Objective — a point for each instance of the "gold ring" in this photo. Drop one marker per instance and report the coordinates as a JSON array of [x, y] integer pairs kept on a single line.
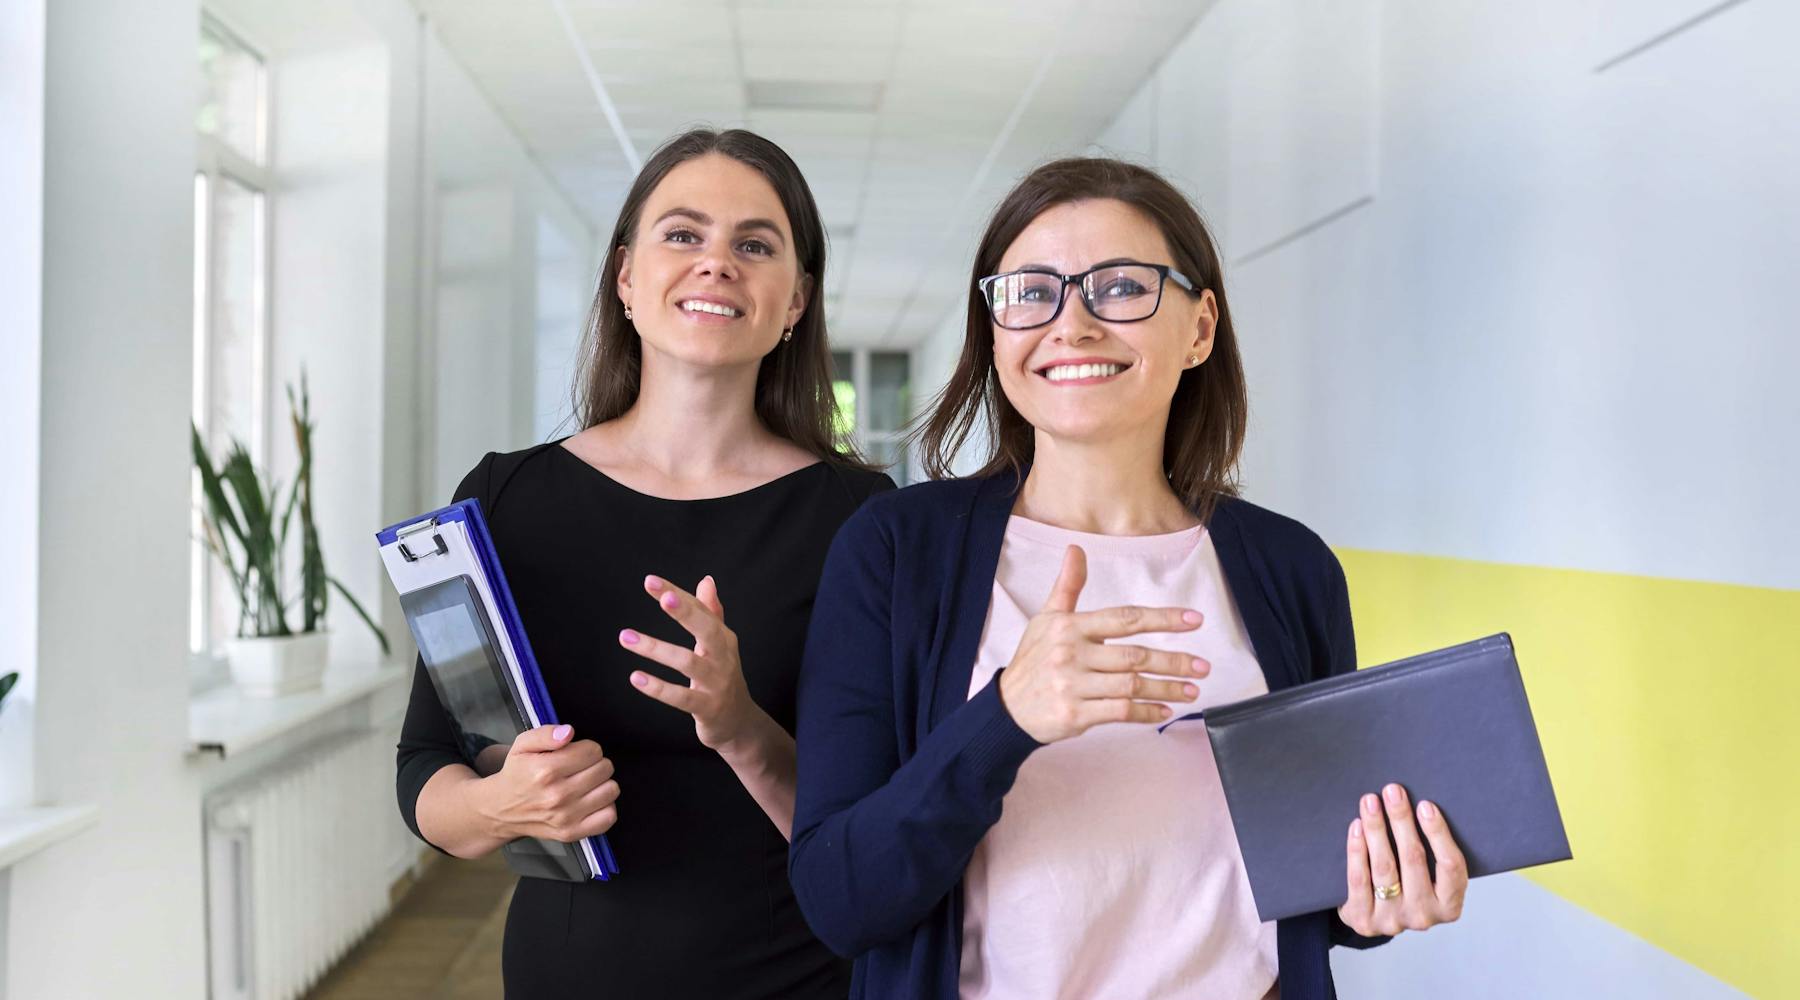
[[1387, 892]]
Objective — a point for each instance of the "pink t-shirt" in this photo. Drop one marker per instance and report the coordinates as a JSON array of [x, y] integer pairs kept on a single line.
[[1113, 871]]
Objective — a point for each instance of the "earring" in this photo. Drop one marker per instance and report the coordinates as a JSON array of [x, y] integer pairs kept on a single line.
[[787, 334], [1193, 359], [627, 312]]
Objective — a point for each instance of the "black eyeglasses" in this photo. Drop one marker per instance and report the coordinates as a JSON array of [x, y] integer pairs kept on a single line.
[[1116, 293]]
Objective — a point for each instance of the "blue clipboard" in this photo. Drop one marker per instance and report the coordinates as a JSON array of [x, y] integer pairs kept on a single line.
[[444, 560]]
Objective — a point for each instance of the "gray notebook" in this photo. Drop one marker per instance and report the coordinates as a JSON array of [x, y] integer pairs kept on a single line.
[[1450, 726]]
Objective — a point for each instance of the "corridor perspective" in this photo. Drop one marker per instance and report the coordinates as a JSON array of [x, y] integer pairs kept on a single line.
[[1512, 285]]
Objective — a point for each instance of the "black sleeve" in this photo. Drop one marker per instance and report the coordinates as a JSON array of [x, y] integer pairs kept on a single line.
[[428, 741]]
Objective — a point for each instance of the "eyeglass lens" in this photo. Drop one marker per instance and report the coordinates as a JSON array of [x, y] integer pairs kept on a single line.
[[1121, 294]]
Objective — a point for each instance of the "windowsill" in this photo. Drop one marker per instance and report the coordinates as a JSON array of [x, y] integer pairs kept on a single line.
[[24, 832], [224, 721]]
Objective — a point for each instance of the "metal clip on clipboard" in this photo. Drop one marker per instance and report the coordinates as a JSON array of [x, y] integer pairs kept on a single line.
[[437, 540]]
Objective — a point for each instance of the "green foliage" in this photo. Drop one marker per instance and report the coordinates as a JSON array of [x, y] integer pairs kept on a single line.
[[246, 527], [6, 685]]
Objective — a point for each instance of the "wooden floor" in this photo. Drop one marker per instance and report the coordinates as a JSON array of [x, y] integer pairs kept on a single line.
[[441, 942]]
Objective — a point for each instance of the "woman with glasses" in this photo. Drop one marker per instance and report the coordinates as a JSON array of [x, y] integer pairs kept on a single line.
[[664, 561], [989, 805]]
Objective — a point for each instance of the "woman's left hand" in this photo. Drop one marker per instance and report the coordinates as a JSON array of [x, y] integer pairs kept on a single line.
[[716, 695], [1389, 895]]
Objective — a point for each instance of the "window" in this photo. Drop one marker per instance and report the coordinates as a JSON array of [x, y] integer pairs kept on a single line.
[[874, 396], [231, 268]]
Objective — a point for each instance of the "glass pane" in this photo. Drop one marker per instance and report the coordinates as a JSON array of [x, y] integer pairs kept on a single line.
[[199, 632], [890, 453], [842, 367], [890, 393], [231, 94], [234, 339]]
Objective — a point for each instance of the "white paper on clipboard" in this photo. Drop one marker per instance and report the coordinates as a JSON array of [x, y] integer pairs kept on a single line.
[[458, 559]]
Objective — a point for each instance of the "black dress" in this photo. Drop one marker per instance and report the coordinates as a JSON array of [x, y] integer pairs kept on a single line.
[[702, 907]]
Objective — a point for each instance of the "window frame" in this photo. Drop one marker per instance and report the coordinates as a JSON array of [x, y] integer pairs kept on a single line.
[[216, 163], [864, 436]]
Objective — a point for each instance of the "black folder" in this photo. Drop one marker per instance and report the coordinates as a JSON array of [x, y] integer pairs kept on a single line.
[[1451, 726]]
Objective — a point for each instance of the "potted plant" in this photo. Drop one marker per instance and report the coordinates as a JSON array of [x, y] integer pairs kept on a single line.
[[246, 527]]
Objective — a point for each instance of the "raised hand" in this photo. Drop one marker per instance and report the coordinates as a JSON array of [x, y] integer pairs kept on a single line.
[[715, 695], [1064, 679]]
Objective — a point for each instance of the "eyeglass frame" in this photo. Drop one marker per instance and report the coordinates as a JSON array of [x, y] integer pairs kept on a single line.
[[1164, 273]]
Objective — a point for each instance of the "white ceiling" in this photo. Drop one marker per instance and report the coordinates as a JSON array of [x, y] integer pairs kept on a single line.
[[899, 180]]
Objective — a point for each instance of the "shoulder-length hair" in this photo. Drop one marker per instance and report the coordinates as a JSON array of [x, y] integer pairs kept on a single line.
[[794, 397], [1210, 410]]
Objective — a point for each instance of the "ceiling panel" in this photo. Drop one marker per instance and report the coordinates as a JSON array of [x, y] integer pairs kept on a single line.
[[896, 181]]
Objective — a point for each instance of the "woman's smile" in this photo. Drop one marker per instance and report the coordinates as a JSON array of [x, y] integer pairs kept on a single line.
[[1082, 371]]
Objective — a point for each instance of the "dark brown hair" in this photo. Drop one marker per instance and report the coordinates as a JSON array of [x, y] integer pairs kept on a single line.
[[1210, 410], [793, 385]]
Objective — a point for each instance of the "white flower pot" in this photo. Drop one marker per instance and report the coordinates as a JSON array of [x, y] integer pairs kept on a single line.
[[269, 667]]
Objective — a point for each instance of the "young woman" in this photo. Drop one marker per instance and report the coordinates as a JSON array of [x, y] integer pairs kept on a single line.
[[664, 561], [988, 803]]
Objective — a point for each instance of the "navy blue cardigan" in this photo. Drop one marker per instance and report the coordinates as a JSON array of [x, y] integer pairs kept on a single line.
[[902, 774]]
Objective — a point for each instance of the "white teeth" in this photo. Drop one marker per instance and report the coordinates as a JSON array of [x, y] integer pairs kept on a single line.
[[1065, 373], [695, 305]]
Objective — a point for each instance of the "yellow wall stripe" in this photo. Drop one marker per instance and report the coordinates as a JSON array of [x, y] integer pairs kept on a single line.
[[1670, 716]]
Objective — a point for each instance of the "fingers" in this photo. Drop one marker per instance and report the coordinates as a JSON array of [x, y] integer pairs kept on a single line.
[[1419, 904], [673, 695], [1452, 869], [1114, 623], [572, 759], [587, 804], [1099, 711], [677, 658], [708, 595], [543, 739], [1359, 905], [1383, 871], [705, 626], [596, 824], [1137, 687], [593, 800], [1143, 659], [591, 777], [1069, 581]]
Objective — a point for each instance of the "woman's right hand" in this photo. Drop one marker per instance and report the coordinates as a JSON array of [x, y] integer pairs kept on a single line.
[[1064, 679], [551, 787]]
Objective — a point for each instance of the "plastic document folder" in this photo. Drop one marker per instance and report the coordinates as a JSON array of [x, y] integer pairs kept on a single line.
[[1451, 726], [462, 616]]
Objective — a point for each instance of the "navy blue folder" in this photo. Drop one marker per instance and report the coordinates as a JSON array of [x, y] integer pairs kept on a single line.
[[474, 648], [1452, 727]]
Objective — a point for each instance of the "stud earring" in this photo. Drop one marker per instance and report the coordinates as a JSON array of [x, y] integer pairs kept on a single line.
[[1193, 359], [628, 312], [787, 335]]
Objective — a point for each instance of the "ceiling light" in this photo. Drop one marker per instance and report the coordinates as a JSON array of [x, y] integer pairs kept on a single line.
[[803, 95]]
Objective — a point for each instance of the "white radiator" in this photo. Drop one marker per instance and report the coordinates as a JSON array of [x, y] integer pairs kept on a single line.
[[299, 859]]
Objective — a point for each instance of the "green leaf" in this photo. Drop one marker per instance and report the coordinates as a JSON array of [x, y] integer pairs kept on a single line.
[[380, 636], [217, 511], [7, 682]]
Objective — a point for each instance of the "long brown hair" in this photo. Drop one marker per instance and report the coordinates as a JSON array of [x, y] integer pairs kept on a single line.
[[1210, 410], [794, 398]]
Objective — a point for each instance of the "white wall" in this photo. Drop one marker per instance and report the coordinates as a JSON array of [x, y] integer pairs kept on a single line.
[[564, 277], [377, 131], [485, 202], [117, 909], [1506, 296], [330, 147], [1490, 213], [21, 338]]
